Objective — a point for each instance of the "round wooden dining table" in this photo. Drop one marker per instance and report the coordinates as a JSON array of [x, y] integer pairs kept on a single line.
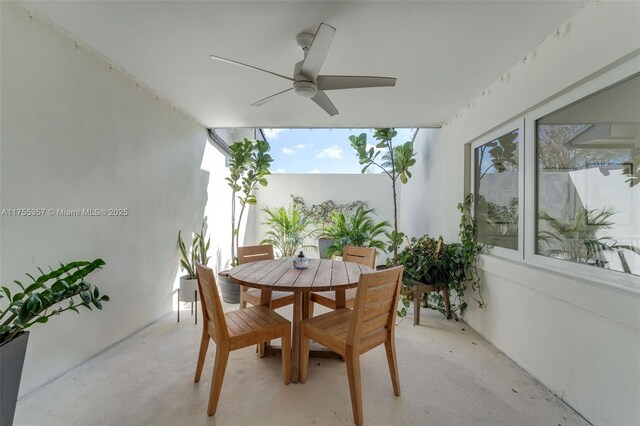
[[279, 275]]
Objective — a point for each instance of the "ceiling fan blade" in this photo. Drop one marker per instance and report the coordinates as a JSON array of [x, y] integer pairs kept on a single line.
[[317, 51], [270, 98], [325, 103], [230, 61], [335, 82]]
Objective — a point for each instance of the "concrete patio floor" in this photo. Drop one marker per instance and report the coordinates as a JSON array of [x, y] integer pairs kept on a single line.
[[449, 375]]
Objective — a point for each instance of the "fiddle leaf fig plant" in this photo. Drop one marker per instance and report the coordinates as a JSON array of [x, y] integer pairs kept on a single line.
[[395, 163], [60, 290], [248, 167]]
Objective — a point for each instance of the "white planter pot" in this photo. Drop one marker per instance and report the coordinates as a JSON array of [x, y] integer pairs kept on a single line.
[[188, 289]]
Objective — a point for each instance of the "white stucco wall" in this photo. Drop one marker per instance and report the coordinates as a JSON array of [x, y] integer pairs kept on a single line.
[[374, 189], [580, 339], [73, 135]]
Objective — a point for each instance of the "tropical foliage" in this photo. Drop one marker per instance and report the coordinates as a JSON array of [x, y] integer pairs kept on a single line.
[[578, 240], [321, 214], [395, 162], [288, 230], [455, 268], [248, 167], [357, 229], [37, 302], [198, 252]]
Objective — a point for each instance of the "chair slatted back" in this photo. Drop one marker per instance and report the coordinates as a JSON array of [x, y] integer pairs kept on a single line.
[[254, 253], [362, 255], [375, 306], [212, 312]]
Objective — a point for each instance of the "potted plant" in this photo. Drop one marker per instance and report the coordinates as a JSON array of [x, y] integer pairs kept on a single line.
[[288, 230], [455, 269], [34, 304], [321, 216], [395, 163], [198, 252], [577, 239], [357, 229], [248, 167]]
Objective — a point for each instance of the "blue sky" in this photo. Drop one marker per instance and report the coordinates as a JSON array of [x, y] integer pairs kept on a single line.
[[319, 150]]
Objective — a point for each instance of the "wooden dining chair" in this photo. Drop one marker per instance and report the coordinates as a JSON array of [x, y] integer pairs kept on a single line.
[[351, 333], [235, 330], [362, 255], [252, 295]]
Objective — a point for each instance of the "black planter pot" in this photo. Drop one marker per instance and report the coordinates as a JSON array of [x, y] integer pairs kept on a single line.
[[11, 361], [230, 291]]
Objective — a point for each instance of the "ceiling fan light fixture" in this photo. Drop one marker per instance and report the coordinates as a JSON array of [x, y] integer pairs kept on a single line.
[[305, 89]]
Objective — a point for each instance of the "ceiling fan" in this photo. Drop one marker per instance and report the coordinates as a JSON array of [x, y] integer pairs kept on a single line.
[[307, 81]]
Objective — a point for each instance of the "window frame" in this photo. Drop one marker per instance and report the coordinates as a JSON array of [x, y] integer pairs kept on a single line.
[[604, 277], [513, 125]]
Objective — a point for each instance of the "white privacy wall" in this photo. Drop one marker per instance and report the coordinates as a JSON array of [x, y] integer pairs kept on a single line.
[[73, 135], [580, 339], [374, 189]]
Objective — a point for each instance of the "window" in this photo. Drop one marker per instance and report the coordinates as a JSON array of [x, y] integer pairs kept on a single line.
[[496, 185], [588, 180]]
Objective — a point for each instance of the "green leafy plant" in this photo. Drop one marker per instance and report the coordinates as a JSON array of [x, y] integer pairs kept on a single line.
[[35, 303], [321, 214], [577, 239], [357, 229], [395, 163], [287, 230], [198, 252], [248, 167], [455, 268], [189, 257]]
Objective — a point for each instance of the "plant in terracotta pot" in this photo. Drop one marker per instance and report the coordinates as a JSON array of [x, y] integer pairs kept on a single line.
[[50, 294], [248, 170]]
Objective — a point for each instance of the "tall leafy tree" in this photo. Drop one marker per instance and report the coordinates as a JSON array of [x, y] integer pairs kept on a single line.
[[395, 162], [248, 167]]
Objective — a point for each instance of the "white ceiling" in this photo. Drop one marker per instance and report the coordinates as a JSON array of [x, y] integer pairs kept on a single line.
[[443, 53]]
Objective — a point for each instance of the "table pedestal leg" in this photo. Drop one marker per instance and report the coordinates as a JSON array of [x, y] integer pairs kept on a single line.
[[341, 298], [297, 318]]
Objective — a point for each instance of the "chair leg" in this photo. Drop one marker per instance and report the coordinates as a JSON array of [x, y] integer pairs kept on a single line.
[[222, 356], [304, 358], [390, 347], [204, 345], [416, 306], [311, 305], [286, 356], [262, 349], [243, 302], [447, 302], [353, 371]]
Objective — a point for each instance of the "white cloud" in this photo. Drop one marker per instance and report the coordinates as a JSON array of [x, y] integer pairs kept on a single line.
[[334, 152], [280, 170], [288, 151], [301, 146], [272, 134], [314, 171]]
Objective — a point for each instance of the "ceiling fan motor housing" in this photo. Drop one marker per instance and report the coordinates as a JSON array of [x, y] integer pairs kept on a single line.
[[305, 89]]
